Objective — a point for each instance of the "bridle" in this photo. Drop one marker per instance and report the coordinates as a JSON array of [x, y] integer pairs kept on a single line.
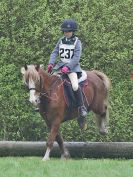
[[40, 90]]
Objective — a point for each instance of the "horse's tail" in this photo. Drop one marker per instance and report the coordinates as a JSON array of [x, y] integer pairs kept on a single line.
[[105, 79]]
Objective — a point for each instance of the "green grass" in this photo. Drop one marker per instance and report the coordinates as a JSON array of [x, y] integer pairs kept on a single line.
[[35, 167]]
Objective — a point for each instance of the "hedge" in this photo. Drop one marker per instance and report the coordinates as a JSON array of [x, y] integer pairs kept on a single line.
[[29, 31]]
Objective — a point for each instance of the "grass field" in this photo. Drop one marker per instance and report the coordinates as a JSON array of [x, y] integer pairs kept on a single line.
[[35, 167]]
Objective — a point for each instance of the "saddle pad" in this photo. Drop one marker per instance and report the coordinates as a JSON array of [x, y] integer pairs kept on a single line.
[[68, 91]]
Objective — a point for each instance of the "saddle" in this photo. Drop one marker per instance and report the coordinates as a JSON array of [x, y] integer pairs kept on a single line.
[[68, 91]]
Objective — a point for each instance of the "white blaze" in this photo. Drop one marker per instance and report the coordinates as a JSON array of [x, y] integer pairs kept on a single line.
[[33, 98]]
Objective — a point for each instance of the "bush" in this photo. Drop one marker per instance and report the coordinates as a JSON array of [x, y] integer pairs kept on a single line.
[[29, 31]]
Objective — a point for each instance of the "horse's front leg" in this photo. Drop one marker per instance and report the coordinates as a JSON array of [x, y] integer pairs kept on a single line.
[[53, 133]]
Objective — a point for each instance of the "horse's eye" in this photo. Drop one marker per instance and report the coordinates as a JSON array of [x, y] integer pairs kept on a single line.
[[26, 82]]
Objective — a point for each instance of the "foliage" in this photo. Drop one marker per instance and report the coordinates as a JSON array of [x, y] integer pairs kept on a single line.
[[56, 167], [29, 31]]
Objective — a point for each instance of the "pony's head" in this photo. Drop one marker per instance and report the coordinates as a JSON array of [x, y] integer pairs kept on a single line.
[[32, 80]]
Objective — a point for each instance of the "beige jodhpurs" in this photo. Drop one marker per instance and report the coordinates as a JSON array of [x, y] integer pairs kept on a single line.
[[74, 81]]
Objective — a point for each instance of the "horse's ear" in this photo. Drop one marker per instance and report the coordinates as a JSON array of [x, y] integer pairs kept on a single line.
[[23, 70], [42, 66], [25, 66], [37, 67]]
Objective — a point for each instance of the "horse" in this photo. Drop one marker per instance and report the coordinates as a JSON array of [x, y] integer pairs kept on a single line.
[[47, 92]]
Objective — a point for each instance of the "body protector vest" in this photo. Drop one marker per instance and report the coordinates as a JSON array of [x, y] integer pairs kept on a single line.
[[66, 50]]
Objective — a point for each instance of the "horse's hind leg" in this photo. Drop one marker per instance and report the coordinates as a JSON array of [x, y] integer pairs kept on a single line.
[[64, 152], [102, 121]]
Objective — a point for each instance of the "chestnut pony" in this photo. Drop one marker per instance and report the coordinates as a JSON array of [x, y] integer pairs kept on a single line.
[[46, 91]]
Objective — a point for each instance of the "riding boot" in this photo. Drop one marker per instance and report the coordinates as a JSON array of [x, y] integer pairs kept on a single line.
[[82, 111]]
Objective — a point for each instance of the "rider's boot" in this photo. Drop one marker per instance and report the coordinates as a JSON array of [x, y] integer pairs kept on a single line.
[[82, 111]]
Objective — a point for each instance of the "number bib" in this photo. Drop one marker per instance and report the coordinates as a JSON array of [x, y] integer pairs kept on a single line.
[[66, 51]]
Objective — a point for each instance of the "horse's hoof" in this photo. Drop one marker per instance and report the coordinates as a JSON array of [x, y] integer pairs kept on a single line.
[[45, 159], [65, 156], [36, 109], [103, 132], [82, 123], [83, 126]]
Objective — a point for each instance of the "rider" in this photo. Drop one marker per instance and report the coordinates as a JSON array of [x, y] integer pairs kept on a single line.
[[69, 49]]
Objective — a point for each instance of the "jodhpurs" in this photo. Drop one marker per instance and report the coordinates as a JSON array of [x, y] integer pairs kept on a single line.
[[74, 81]]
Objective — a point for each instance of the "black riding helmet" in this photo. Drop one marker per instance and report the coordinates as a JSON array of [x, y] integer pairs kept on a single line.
[[68, 26]]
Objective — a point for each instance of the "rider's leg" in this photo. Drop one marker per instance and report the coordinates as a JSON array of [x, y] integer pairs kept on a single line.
[[79, 98]]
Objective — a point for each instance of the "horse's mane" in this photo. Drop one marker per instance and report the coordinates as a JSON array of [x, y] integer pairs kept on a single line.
[[31, 74], [55, 80]]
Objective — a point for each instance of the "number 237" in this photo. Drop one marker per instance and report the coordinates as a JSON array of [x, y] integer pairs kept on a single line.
[[69, 53]]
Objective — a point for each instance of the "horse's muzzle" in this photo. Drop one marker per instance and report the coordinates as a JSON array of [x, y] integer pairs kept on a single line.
[[35, 101]]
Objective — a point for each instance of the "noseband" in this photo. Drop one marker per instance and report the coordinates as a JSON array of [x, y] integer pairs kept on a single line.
[[40, 89]]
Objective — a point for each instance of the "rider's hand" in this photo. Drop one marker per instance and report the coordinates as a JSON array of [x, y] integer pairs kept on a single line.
[[50, 67], [65, 70]]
